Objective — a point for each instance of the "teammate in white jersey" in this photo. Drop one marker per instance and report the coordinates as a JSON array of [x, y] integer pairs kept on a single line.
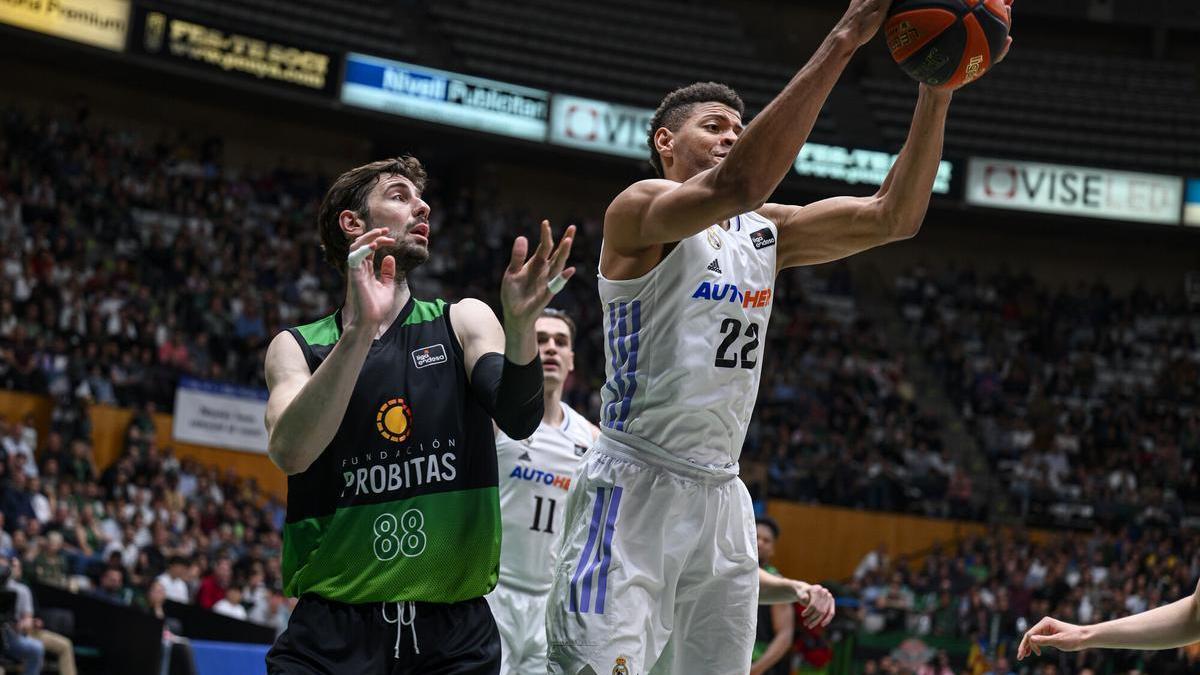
[[534, 476], [657, 572]]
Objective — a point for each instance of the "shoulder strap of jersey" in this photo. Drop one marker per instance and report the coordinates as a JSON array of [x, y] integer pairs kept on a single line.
[[454, 343], [325, 331]]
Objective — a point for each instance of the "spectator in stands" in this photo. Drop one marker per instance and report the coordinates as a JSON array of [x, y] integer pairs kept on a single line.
[[231, 604], [177, 651], [112, 587], [16, 442], [6, 540], [28, 626], [275, 612], [50, 565], [173, 580], [875, 560], [213, 586]]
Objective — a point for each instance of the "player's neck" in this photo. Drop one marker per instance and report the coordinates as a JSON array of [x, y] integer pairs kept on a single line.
[[552, 398]]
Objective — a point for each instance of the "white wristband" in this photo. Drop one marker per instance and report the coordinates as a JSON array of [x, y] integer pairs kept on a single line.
[[357, 256]]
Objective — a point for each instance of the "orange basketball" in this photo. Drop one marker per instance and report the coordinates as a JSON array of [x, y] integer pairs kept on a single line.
[[946, 43]]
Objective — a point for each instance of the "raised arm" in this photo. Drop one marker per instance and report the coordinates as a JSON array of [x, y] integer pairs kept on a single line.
[[1166, 627], [305, 409], [841, 226], [502, 364], [661, 211]]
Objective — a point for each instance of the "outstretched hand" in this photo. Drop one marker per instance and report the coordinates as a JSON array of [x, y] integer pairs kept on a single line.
[[370, 297], [818, 604], [1050, 632], [1008, 41], [524, 290], [863, 19]]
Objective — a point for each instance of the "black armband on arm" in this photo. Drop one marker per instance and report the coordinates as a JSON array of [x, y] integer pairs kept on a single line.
[[511, 394]]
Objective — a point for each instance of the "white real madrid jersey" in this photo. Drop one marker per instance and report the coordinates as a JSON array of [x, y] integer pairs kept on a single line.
[[534, 476], [684, 344]]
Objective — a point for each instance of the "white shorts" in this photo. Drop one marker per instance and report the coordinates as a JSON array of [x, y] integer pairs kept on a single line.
[[657, 570], [521, 618]]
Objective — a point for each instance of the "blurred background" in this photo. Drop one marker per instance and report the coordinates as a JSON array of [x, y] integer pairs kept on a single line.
[[958, 434]]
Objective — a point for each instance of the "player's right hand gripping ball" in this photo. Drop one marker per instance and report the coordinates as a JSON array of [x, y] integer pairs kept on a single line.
[[946, 43]]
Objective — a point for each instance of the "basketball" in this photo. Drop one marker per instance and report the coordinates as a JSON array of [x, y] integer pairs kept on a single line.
[[946, 43]]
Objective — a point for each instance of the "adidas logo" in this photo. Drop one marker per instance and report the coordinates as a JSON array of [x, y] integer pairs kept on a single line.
[[525, 457], [714, 266]]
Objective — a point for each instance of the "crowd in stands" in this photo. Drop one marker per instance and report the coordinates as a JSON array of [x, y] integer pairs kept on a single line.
[[838, 419], [189, 268], [129, 260], [989, 590], [1086, 401], [147, 529]]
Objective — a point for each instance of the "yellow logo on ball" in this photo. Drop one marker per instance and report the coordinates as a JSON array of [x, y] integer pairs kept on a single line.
[[394, 420]]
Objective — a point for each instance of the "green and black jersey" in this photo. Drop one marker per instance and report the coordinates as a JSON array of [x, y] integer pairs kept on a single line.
[[403, 503]]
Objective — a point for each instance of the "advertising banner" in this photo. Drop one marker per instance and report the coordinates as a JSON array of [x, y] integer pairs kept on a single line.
[[444, 97], [208, 47], [100, 23], [856, 165], [1074, 191], [220, 415], [1191, 207], [600, 126]]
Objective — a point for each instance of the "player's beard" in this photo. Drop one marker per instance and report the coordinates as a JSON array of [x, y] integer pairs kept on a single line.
[[408, 255]]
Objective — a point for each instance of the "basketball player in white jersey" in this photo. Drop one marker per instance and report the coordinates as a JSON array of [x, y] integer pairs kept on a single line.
[[534, 476], [657, 572]]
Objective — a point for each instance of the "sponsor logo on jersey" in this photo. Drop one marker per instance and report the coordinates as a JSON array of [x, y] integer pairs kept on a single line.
[[714, 266], [395, 476], [429, 356], [580, 449], [394, 420], [718, 292], [528, 473], [762, 238], [525, 457], [620, 667], [714, 239]]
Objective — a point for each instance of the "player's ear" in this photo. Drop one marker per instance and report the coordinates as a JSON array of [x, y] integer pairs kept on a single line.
[[350, 223], [663, 140]]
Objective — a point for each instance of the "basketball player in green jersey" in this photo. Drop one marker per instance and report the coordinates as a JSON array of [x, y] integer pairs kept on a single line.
[[381, 415]]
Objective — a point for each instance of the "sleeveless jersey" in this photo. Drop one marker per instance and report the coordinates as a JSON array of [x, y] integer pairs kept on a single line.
[[402, 504], [684, 344], [534, 476]]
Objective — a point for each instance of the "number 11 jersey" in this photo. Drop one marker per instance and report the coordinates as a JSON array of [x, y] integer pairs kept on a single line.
[[684, 344], [534, 477]]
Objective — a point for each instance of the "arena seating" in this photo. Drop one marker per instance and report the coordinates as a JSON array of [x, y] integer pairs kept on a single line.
[[1085, 400]]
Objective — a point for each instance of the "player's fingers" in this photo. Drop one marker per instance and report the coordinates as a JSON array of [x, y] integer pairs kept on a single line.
[[519, 248], [367, 237], [1004, 52], [546, 243], [559, 258], [387, 270]]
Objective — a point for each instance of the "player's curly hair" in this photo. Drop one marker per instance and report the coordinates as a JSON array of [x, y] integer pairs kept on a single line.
[[349, 192], [677, 106]]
